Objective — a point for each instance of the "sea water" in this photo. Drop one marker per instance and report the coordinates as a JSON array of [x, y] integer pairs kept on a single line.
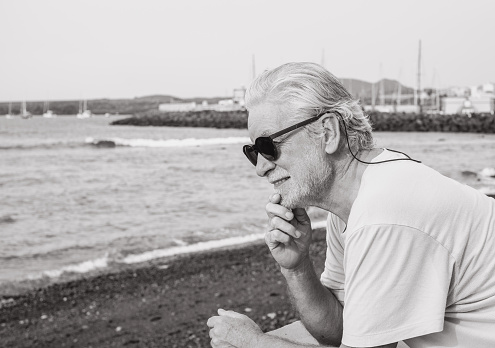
[[81, 196]]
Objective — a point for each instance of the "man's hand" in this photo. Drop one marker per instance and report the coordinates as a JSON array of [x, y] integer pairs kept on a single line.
[[289, 234], [232, 329]]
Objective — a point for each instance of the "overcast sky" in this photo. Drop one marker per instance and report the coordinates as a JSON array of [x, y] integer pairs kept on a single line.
[[65, 49]]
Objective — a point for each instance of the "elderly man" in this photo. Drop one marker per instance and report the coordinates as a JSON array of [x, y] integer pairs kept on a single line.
[[411, 253]]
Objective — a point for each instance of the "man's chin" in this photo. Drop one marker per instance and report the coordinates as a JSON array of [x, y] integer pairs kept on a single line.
[[290, 203]]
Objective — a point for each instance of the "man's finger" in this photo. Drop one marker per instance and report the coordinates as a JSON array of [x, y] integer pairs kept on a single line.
[[232, 314], [281, 237], [212, 321], [273, 209], [274, 198], [274, 238], [220, 344], [216, 343], [279, 224]]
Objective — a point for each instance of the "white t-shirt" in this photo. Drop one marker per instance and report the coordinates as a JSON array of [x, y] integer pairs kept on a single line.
[[416, 261]]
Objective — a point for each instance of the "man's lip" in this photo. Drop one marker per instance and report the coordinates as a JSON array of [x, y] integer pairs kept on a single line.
[[274, 182]]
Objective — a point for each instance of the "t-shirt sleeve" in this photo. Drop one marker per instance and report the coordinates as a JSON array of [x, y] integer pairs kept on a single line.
[[333, 274], [396, 285]]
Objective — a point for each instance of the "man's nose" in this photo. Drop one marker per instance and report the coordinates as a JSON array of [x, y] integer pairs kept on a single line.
[[263, 166]]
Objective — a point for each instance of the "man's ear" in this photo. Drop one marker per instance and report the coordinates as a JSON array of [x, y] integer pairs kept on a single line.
[[332, 134]]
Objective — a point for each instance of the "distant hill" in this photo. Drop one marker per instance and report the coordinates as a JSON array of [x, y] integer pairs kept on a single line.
[[363, 90], [158, 98], [358, 88], [102, 106]]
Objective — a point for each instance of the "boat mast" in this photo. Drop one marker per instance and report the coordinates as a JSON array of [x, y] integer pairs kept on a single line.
[[373, 96], [437, 96], [399, 88], [253, 68], [382, 90], [418, 86], [398, 93]]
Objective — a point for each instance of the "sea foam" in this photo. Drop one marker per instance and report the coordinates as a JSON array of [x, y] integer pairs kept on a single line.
[[83, 267], [169, 142], [184, 249], [181, 248], [201, 246]]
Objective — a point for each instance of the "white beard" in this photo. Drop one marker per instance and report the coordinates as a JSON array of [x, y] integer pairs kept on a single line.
[[307, 184]]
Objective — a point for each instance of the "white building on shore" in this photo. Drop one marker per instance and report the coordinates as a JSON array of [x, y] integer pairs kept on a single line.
[[408, 109], [469, 100], [177, 107], [232, 104], [468, 105]]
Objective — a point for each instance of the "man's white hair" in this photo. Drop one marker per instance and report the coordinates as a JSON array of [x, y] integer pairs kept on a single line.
[[307, 89]]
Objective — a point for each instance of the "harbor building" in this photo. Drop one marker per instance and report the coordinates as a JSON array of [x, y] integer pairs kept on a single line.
[[469, 100], [236, 102]]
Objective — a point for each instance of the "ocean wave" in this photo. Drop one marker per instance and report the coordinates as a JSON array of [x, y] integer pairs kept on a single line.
[[192, 248], [83, 267], [112, 142], [201, 246], [180, 248], [43, 145]]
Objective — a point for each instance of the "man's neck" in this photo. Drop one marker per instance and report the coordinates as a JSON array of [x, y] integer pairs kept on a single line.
[[346, 183]]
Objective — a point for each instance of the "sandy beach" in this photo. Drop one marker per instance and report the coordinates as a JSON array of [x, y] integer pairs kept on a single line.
[[163, 304]]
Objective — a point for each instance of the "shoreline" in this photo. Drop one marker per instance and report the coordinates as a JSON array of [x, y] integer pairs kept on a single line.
[[100, 266], [163, 304]]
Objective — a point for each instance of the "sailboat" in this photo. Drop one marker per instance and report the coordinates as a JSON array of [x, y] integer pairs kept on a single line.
[[83, 110], [9, 115], [24, 113], [47, 113]]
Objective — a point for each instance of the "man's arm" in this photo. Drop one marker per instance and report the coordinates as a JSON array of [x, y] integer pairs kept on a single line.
[[319, 310], [231, 329], [275, 342], [390, 345], [289, 238]]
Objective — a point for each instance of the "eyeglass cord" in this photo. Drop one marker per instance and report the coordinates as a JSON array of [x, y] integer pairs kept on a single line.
[[385, 161]]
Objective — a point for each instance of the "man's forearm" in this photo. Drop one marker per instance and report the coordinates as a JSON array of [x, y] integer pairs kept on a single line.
[[320, 311], [276, 342]]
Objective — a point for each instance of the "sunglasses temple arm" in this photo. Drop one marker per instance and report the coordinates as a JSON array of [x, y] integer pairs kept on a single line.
[[303, 123], [291, 128]]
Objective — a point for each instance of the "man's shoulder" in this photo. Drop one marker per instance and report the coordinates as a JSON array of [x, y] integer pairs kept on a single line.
[[404, 193]]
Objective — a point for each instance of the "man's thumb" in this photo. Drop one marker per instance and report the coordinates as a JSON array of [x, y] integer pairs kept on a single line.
[[301, 216]]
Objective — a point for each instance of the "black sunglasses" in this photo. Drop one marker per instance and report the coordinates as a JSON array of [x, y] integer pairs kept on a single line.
[[265, 145]]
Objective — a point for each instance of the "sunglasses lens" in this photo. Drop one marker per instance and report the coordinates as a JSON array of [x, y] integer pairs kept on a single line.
[[266, 148], [251, 154]]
